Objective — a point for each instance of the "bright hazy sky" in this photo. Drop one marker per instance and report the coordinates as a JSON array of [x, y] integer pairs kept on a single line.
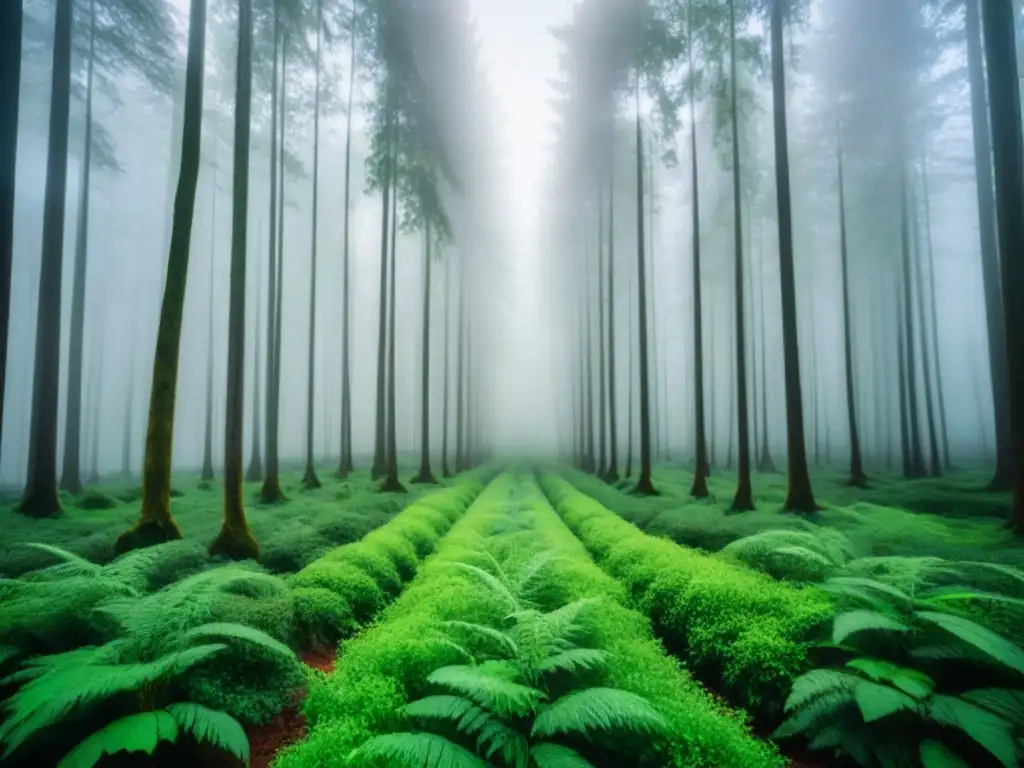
[[520, 55]]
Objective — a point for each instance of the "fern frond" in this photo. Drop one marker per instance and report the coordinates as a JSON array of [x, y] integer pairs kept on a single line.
[[846, 624], [872, 584], [978, 637], [461, 650], [876, 701], [503, 697], [415, 750], [443, 707], [911, 681], [228, 631], [548, 755], [46, 699], [212, 727], [534, 568], [597, 709], [497, 587], [482, 630], [1017, 574], [987, 729], [1005, 702], [954, 593], [497, 738], [141, 732], [70, 563], [819, 682], [573, 660], [810, 716], [934, 754]]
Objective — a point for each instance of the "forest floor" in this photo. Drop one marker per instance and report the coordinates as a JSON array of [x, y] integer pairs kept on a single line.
[[373, 571]]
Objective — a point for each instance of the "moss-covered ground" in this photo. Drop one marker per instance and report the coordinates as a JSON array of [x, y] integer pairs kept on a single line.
[[707, 616]]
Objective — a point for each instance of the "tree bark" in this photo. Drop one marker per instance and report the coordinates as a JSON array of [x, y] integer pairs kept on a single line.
[[271, 489], [933, 321], [235, 540], [254, 473], [1004, 101], [857, 476], [309, 478], [628, 470], [994, 320], [799, 495], [155, 523], [612, 470], [71, 477], [644, 485], [743, 501], [445, 469], [11, 21], [460, 377], [345, 465], [391, 482], [425, 475], [207, 471], [913, 416], [602, 418], [379, 468], [934, 458]]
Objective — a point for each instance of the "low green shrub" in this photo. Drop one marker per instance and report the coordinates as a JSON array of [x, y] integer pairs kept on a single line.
[[508, 552], [787, 555], [919, 685], [740, 632], [95, 500]]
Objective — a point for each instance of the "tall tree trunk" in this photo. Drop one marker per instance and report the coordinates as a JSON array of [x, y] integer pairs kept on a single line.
[[379, 468], [345, 466], [309, 478], [255, 471], [913, 417], [589, 455], [11, 21], [744, 498], [934, 458], [701, 467], [425, 475], [96, 406], [155, 523], [271, 489], [460, 376], [644, 484], [765, 464], [857, 475], [612, 470], [1004, 100], [445, 469], [629, 418], [656, 403], [40, 499], [602, 423], [908, 467], [933, 321], [207, 471], [71, 476], [129, 413], [391, 482], [235, 541], [994, 320], [279, 295], [799, 495]]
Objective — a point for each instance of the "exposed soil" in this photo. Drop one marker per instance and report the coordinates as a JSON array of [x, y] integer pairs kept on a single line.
[[289, 726]]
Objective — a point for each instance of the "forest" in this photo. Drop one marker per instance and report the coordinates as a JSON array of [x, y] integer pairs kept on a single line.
[[512, 383]]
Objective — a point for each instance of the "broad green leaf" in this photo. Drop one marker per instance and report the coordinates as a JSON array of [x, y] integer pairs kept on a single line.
[[933, 754], [989, 730], [548, 755], [978, 637], [134, 733], [848, 623], [876, 701]]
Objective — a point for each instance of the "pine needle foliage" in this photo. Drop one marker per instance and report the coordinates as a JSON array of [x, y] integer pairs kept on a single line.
[[535, 683], [136, 681], [923, 684]]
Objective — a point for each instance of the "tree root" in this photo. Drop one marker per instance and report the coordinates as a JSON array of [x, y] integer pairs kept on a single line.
[[147, 534], [235, 544]]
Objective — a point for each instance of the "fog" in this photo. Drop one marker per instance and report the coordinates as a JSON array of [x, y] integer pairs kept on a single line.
[[532, 106]]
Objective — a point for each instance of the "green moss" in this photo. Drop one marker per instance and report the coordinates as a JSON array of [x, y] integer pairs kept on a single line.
[[321, 616], [93, 499]]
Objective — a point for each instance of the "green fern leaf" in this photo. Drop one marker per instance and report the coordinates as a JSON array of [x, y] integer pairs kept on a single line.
[[954, 593], [876, 669], [848, 623], [548, 755], [870, 584], [534, 568], [819, 682], [496, 586], [978, 637], [46, 699], [573, 660], [862, 595], [240, 632], [212, 727], [441, 707], [136, 733], [1004, 570], [934, 754], [987, 729], [75, 563], [482, 630], [911, 681], [497, 738], [826, 738], [1004, 702], [876, 701], [503, 697], [597, 709], [415, 750]]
